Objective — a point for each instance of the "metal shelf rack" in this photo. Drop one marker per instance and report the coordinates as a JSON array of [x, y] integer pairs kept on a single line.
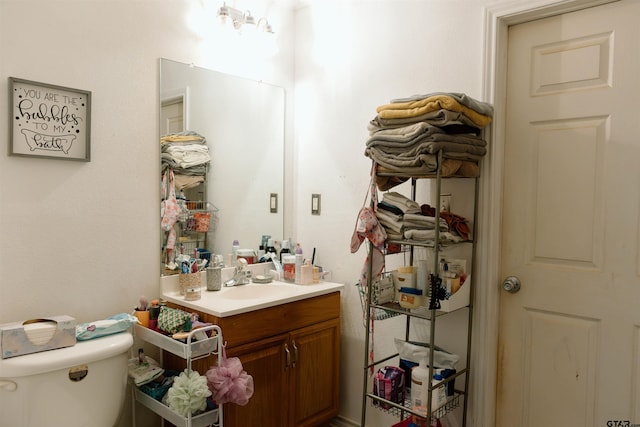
[[431, 314]]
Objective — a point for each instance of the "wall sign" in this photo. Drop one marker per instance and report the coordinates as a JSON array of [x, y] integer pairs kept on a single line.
[[49, 121]]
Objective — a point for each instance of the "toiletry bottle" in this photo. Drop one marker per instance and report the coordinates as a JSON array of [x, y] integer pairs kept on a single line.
[[271, 247], [438, 395], [289, 267], [284, 250], [234, 253], [299, 262], [263, 245], [419, 384]]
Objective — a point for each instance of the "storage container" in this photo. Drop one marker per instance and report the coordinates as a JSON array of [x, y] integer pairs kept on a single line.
[[410, 298]]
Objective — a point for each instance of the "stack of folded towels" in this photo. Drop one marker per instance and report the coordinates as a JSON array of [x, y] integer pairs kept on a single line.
[[407, 134], [187, 154], [402, 218]]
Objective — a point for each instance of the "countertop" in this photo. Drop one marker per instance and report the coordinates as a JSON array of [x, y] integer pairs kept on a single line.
[[230, 301]]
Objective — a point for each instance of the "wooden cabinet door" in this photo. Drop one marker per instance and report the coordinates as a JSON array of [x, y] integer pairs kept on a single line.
[[315, 374], [265, 361]]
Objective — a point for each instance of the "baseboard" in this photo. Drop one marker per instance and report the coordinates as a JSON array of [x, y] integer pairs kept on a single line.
[[341, 421]]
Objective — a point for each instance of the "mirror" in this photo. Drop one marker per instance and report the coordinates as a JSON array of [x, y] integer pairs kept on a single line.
[[243, 124]]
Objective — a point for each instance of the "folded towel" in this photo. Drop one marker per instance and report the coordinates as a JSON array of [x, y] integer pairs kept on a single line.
[[427, 235], [441, 118], [402, 202], [419, 221], [190, 137], [464, 99], [433, 103]]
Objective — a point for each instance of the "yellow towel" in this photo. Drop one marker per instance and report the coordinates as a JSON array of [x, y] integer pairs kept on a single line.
[[401, 110], [180, 138]]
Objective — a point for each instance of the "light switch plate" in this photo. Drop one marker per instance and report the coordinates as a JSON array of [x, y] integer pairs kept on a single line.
[[273, 203], [315, 204]]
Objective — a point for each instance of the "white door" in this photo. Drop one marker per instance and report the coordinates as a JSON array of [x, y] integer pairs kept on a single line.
[[172, 116], [569, 340]]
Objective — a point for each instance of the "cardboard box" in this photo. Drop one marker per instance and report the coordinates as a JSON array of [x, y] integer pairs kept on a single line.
[[36, 335]]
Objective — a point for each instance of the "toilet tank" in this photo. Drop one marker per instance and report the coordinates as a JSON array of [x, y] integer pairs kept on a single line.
[[79, 386]]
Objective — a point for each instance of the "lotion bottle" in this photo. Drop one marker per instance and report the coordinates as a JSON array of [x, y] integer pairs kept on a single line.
[[420, 384]]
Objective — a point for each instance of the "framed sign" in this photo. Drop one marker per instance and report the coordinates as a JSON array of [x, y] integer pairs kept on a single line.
[[49, 121]]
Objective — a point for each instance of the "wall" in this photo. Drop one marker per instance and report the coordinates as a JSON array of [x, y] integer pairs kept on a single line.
[[350, 58], [82, 238]]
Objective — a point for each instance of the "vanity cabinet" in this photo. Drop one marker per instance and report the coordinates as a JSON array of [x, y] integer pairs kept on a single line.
[[292, 351]]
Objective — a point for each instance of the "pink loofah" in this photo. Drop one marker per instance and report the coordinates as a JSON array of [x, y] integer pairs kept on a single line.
[[229, 382]]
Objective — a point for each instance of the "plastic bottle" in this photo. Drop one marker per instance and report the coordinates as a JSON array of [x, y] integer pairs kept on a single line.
[[234, 253], [420, 384], [299, 262], [289, 267], [438, 395], [271, 248], [284, 250]]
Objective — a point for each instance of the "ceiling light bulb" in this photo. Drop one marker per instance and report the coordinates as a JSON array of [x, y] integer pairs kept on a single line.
[[223, 12], [249, 19]]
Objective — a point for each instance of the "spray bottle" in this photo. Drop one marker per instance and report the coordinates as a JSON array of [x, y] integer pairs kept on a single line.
[[234, 253], [299, 262]]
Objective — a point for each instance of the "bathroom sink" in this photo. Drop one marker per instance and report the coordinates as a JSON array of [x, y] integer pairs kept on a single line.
[[232, 300]]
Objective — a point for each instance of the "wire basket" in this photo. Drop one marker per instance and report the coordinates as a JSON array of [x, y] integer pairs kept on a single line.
[[377, 312]]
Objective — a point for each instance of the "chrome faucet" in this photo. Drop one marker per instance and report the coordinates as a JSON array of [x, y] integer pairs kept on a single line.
[[241, 276]]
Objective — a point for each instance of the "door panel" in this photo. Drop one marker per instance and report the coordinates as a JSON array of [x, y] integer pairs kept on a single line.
[[172, 116], [265, 362], [569, 341], [315, 385]]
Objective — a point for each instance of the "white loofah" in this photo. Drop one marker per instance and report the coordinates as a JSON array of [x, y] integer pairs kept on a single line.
[[188, 394]]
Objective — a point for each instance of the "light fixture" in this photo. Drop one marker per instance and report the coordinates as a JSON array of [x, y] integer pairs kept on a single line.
[[264, 26], [239, 18]]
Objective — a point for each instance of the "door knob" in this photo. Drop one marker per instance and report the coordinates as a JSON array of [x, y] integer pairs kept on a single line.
[[511, 284]]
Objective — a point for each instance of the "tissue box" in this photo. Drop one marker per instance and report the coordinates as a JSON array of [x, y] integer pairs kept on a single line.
[[36, 335]]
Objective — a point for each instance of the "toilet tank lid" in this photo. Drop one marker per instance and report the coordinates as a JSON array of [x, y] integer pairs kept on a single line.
[[84, 352]]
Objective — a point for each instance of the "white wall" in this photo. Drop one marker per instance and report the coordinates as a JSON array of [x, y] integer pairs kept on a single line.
[[82, 238], [351, 57]]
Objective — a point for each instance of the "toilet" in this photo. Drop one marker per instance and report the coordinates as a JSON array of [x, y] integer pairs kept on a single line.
[[79, 386]]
